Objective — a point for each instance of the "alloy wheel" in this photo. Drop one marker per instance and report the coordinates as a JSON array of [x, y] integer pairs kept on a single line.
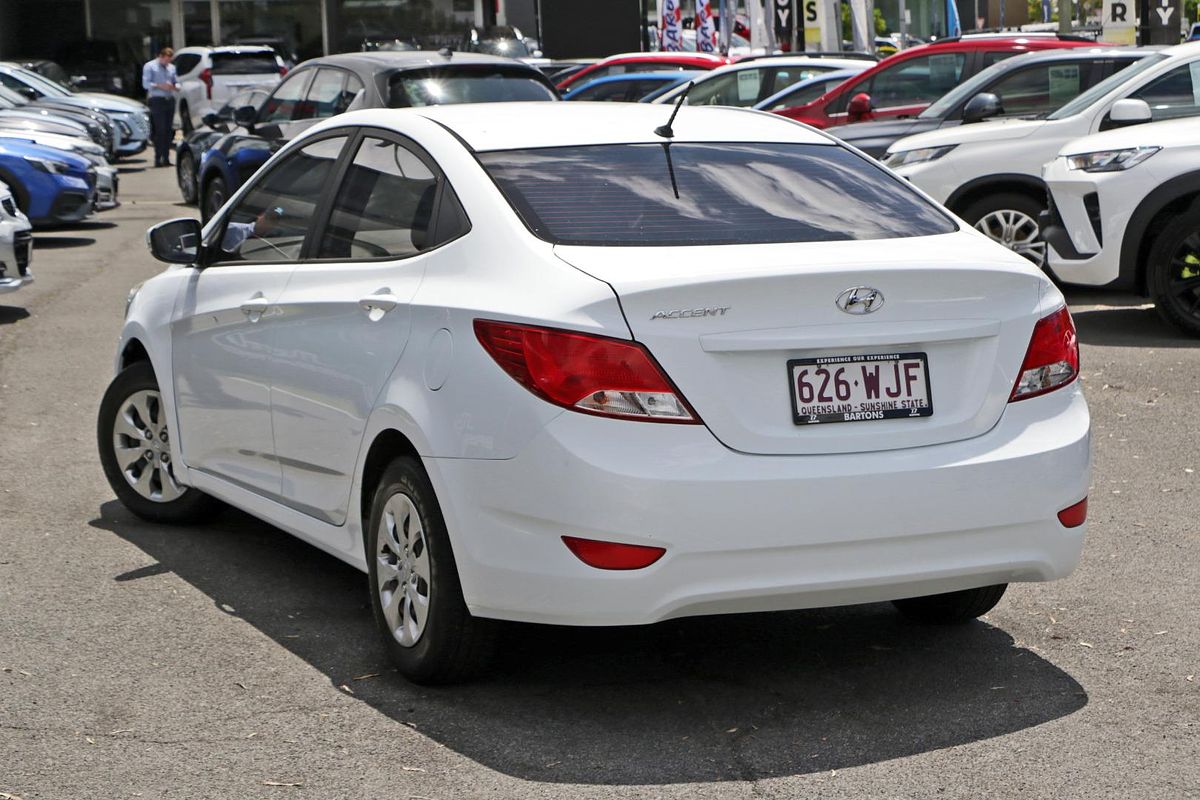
[[187, 178], [1183, 276], [1015, 230], [402, 570], [142, 446]]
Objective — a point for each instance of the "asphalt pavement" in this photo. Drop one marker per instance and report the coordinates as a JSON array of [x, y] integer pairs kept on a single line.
[[233, 661]]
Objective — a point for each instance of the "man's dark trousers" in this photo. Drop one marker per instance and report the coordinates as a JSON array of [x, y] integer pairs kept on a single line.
[[162, 122]]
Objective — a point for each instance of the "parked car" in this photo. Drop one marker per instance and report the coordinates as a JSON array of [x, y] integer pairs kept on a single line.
[[991, 174], [497, 410], [51, 187], [641, 62], [190, 152], [324, 87], [1122, 214], [631, 87], [106, 175], [131, 118], [1030, 85], [102, 65], [16, 244], [905, 84], [209, 76], [749, 82], [499, 40], [97, 125], [558, 69], [807, 90]]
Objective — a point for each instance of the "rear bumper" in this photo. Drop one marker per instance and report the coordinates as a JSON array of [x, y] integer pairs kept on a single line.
[[758, 533]]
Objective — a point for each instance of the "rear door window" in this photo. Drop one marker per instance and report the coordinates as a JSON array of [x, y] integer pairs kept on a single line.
[[707, 194], [324, 95]]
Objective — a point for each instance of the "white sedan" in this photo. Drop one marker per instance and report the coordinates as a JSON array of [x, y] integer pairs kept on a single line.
[[566, 363]]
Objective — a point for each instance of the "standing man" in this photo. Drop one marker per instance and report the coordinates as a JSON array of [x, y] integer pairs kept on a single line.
[[158, 79]]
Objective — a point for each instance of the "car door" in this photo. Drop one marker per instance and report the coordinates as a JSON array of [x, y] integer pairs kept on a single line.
[[224, 328], [345, 314]]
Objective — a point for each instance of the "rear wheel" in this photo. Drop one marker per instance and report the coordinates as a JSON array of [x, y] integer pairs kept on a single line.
[[952, 608], [215, 195], [185, 174], [136, 451], [1173, 273], [415, 592], [185, 119], [1011, 219]]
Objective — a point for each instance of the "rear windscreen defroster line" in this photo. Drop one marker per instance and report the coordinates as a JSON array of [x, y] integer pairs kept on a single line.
[[709, 193]]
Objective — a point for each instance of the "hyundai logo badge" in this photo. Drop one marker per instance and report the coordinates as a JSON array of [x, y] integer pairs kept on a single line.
[[860, 300]]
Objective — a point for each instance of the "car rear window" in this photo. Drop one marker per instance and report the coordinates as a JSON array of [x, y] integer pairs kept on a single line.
[[243, 64], [445, 86], [707, 194]]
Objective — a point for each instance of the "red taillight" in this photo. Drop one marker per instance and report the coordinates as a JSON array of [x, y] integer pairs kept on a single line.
[[1074, 516], [613, 555], [1052, 360], [282, 71], [206, 77], [582, 372]]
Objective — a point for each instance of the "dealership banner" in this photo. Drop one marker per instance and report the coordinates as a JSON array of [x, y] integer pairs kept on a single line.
[[1120, 17], [671, 28], [822, 21], [706, 30]]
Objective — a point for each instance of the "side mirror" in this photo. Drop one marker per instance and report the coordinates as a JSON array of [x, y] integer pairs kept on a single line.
[[860, 107], [175, 241], [212, 119], [982, 106], [245, 116], [1129, 112]]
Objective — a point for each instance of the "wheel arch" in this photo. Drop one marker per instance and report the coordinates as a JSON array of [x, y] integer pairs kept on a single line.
[[19, 192], [132, 353], [1176, 196], [387, 445], [972, 191]]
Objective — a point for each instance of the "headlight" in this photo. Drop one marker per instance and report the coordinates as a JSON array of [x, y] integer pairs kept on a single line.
[[919, 156], [48, 165], [1111, 160], [124, 126]]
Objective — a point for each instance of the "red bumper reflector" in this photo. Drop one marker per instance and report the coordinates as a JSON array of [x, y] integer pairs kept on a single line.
[[1074, 516], [611, 555]]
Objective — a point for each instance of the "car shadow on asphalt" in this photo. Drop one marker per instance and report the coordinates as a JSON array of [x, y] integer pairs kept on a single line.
[[11, 314], [59, 242], [1130, 326], [704, 699]]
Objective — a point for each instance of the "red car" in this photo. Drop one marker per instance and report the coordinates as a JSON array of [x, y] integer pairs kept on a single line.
[[643, 62], [905, 84]]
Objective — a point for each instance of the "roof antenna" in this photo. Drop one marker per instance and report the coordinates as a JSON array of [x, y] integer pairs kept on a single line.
[[666, 131]]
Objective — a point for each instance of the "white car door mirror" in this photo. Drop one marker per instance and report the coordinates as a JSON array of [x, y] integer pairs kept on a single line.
[[175, 241], [1129, 112]]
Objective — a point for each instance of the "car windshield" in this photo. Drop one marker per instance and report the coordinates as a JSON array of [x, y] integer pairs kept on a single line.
[[10, 98], [1107, 85], [244, 64], [708, 194], [447, 86], [43, 85]]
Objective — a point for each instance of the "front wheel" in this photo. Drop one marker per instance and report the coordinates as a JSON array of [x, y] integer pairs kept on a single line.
[[1012, 220], [185, 174], [415, 592], [137, 454], [215, 195], [952, 608], [1173, 273], [185, 119]]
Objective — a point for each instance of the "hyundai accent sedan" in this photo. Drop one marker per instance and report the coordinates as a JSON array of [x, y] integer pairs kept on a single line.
[[575, 364]]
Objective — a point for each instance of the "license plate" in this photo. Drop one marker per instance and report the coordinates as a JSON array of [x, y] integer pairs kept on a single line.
[[859, 388]]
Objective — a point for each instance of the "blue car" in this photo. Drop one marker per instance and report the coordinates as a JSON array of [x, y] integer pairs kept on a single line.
[[629, 87], [52, 187]]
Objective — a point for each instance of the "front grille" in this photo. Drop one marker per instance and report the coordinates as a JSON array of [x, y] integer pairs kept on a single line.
[[1091, 204], [10, 206], [23, 243]]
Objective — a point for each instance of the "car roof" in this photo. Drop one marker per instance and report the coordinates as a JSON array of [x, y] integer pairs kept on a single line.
[[789, 61], [668, 57], [665, 77], [1075, 53], [227, 48], [408, 59], [512, 126]]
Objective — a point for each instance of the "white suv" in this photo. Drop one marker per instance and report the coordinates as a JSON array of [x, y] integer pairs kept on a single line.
[[209, 76], [16, 244], [990, 173], [1123, 213]]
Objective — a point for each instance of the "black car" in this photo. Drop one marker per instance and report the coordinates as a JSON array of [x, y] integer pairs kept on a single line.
[[190, 152], [101, 65], [1029, 85], [324, 87]]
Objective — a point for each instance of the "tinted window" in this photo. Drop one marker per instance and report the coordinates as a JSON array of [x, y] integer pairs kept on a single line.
[[250, 97], [740, 88], [804, 95], [185, 63], [324, 96], [617, 90], [271, 220], [384, 206], [465, 85], [1040, 88], [282, 104], [917, 80], [244, 64], [701, 194], [1107, 85], [1173, 94], [995, 57]]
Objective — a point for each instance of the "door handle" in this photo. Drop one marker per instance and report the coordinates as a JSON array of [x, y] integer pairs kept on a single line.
[[376, 305], [255, 307]]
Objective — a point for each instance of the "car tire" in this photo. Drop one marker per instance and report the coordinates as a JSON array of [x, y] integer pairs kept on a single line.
[[1010, 218], [1173, 273], [411, 571], [185, 176], [952, 608], [215, 195], [185, 119], [144, 481]]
